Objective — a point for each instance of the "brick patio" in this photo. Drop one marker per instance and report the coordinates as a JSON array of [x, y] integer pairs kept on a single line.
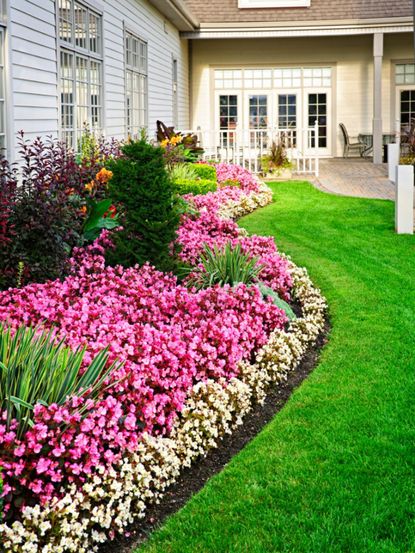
[[355, 177]]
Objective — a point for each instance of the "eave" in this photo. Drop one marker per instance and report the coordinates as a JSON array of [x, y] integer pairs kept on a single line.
[[295, 29], [177, 13]]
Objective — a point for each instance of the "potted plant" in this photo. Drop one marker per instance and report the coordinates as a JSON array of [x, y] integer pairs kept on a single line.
[[276, 164]]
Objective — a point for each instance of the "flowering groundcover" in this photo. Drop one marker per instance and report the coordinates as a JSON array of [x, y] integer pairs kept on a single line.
[[194, 363]]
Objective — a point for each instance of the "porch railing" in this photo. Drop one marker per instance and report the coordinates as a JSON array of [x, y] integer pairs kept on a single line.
[[245, 147]]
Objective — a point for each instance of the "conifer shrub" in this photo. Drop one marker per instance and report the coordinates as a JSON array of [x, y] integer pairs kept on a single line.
[[148, 209]]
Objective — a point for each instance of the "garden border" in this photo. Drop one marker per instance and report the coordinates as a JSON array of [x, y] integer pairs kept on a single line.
[[117, 498]]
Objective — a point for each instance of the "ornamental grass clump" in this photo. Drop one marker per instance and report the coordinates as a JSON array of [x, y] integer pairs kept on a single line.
[[36, 367], [228, 265], [144, 193]]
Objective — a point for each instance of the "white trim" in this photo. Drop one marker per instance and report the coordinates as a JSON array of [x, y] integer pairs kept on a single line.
[[273, 4], [297, 31]]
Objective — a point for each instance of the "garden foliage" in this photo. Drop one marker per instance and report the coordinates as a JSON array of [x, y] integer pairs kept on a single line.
[[204, 171], [142, 189], [200, 186]]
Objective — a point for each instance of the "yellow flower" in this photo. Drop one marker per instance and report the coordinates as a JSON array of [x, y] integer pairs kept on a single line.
[[90, 186], [176, 139], [164, 143]]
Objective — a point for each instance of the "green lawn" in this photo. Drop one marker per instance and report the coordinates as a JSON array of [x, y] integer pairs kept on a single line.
[[335, 470]]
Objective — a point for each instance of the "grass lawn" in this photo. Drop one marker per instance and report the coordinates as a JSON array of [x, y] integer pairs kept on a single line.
[[335, 470]]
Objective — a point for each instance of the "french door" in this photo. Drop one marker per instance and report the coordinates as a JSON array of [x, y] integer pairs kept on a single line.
[[317, 108], [405, 107]]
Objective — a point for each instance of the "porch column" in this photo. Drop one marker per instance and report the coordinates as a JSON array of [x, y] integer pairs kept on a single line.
[[377, 97]]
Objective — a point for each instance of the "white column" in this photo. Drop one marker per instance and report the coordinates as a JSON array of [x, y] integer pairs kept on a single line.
[[404, 199], [377, 97], [393, 161]]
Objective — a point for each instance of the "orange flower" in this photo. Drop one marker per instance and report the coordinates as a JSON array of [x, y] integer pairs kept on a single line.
[[70, 191], [83, 210], [90, 186], [103, 176]]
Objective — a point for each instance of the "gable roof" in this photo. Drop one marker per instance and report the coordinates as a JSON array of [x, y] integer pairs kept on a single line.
[[227, 11]]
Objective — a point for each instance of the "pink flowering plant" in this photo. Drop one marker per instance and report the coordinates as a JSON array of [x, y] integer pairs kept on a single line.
[[166, 336]]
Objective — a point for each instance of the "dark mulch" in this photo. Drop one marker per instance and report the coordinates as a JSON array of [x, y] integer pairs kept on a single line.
[[195, 477]]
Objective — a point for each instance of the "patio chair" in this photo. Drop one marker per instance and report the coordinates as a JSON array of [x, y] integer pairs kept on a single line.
[[359, 146]]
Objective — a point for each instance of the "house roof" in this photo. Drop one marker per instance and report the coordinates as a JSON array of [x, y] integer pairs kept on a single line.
[[178, 13], [227, 11]]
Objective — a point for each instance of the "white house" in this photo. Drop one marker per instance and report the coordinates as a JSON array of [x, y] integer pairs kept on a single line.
[[115, 65], [258, 64], [233, 69]]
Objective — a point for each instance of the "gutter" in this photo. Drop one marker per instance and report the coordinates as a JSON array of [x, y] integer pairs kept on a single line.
[[178, 14]]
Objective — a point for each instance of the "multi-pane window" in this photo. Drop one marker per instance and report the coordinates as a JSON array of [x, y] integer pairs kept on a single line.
[[258, 78], [287, 78], [405, 73], [135, 84], [317, 76], [80, 34], [407, 108], [228, 78], [228, 118], [3, 19], [317, 111], [258, 119], [287, 117]]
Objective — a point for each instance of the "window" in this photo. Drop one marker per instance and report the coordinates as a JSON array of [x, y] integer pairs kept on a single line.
[[258, 119], [317, 76], [407, 109], [405, 73], [228, 78], [175, 94], [317, 111], [274, 3], [3, 19], [228, 119], [258, 78], [80, 35], [287, 78], [135, 84], [287, 117]]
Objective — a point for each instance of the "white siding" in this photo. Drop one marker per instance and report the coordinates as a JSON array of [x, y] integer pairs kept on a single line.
[[32, 73]]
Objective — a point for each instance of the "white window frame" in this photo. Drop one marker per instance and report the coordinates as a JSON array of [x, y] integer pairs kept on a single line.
[[140, 72], [70, 48], [3, 83], [273, 4]]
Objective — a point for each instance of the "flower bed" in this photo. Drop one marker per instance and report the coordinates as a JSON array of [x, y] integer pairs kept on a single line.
[[195, 363]]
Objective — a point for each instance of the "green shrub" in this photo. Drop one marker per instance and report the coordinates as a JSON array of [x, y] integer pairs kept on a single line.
[[180, 171], [143, 192], [228, 265], [230, 182], [268, 292], [204, 171], [188, 186], [38, 368]]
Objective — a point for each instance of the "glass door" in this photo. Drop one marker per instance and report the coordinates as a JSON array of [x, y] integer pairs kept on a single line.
[[406, 107], [258, 120], [287, 118], [227, 117], [317, 108]]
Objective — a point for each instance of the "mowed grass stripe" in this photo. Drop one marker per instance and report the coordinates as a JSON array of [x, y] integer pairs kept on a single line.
[[335, 469]]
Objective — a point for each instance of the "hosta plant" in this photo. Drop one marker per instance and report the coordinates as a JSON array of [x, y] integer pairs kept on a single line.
[[268, 292], [228, 265], [36, 367]]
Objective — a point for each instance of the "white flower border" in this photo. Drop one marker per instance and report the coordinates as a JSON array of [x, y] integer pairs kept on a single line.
[[113, 500]]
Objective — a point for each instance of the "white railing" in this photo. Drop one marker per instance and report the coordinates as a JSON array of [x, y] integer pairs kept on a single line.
[[245, 147]]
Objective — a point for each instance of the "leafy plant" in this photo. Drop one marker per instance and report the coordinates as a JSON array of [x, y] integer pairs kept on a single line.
[[228, 265], [268, 292], [277, 158], [188, 186], [36, 367], [182, 171], [100, 216], [204, 171], [142, 188]]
